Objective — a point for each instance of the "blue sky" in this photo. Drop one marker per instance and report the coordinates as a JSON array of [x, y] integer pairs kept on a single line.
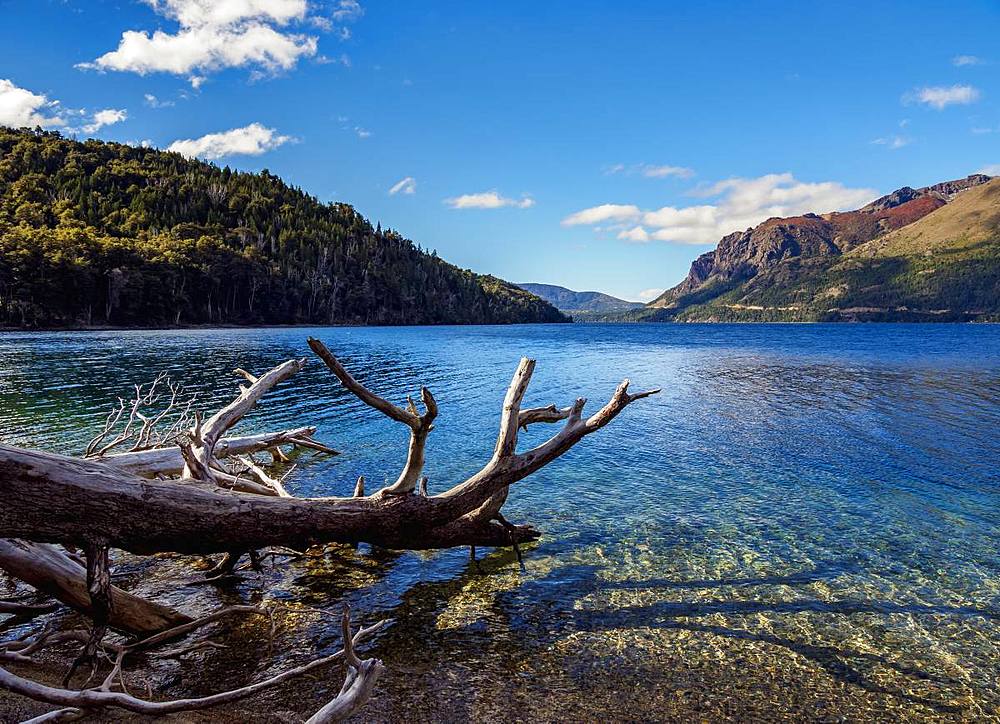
[[597, 145]]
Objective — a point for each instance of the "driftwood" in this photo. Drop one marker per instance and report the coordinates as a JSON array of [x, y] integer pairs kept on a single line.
[[57, 499], [225, 501], [55, 574], [355, 692], [168, 461], [158, 414]]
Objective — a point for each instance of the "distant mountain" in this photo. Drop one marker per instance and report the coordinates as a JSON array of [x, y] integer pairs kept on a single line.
[[96, 233], [580, 305], [917, 254]]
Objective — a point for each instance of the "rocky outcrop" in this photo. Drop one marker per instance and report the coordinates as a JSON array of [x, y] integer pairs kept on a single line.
[[948, 189], [743, 254]]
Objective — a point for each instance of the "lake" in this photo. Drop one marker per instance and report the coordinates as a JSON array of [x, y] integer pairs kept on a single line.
[[802, 525]]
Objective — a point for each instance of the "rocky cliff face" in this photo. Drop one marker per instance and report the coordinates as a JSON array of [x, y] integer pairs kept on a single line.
[[743, 254]]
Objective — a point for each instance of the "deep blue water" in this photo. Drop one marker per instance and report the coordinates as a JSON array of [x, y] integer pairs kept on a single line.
[[806, 516]]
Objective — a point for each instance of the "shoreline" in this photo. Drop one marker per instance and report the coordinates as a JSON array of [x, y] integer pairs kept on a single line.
[[196, 327]]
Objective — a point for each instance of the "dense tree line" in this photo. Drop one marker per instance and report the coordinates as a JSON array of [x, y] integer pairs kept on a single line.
[[95, 233]]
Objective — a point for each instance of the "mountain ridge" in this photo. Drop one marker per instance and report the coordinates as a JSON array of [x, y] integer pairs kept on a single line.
[[766, 259], [579, 304]]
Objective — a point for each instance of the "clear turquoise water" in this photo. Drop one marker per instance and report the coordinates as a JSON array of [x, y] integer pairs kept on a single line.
[[803, 525]]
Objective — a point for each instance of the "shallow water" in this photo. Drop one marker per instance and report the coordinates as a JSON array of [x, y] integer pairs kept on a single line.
[[802, 525]]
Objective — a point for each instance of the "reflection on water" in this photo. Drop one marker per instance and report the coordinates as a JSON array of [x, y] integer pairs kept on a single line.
[[803, 525]]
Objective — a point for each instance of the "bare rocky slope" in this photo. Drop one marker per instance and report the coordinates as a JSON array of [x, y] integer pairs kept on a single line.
[[916, 254]]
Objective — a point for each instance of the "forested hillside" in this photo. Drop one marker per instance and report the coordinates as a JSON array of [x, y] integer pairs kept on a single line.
[[99, 233]]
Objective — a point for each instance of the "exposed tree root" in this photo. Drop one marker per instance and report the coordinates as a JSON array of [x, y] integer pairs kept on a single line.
[[356, 690]]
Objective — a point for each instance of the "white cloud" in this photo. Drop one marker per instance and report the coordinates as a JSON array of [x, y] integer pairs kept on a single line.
[[345, 11], [602, 213], [348, 10], [649, 170], [991, 170], [488, 200], [212, 35], [154, 102], [406, 186], [22, 108], [107, 117], [648, 295], [665, 171], [636, 234], [739, 204], [893, 142], [940, 97], [324, 24], [252, 140], [362, 132], [343, 59], [963, 60]]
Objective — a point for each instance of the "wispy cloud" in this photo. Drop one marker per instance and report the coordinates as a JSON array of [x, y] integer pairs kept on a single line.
[[251, 140], [940, 97], [348, 10], [407, 186], [893, 142], [154, 102], [211, 36], [351, 126], [739, 204], [343, 59], [992, 170], [960, 61], [488, 200], [20, 107], [649, 170]]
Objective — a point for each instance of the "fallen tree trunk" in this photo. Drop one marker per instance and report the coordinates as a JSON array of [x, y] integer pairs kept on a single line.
[[57, 499], [52, 572]]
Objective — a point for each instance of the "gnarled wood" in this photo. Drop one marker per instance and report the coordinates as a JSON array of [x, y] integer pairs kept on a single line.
[[168, 461], [58, 499], [207, 435], [100, 503], [420, 424], [102, 698], [52, 572]]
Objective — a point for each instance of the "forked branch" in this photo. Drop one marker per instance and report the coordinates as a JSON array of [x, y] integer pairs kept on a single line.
[[145, 427], [420, 424], [206, 435]]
